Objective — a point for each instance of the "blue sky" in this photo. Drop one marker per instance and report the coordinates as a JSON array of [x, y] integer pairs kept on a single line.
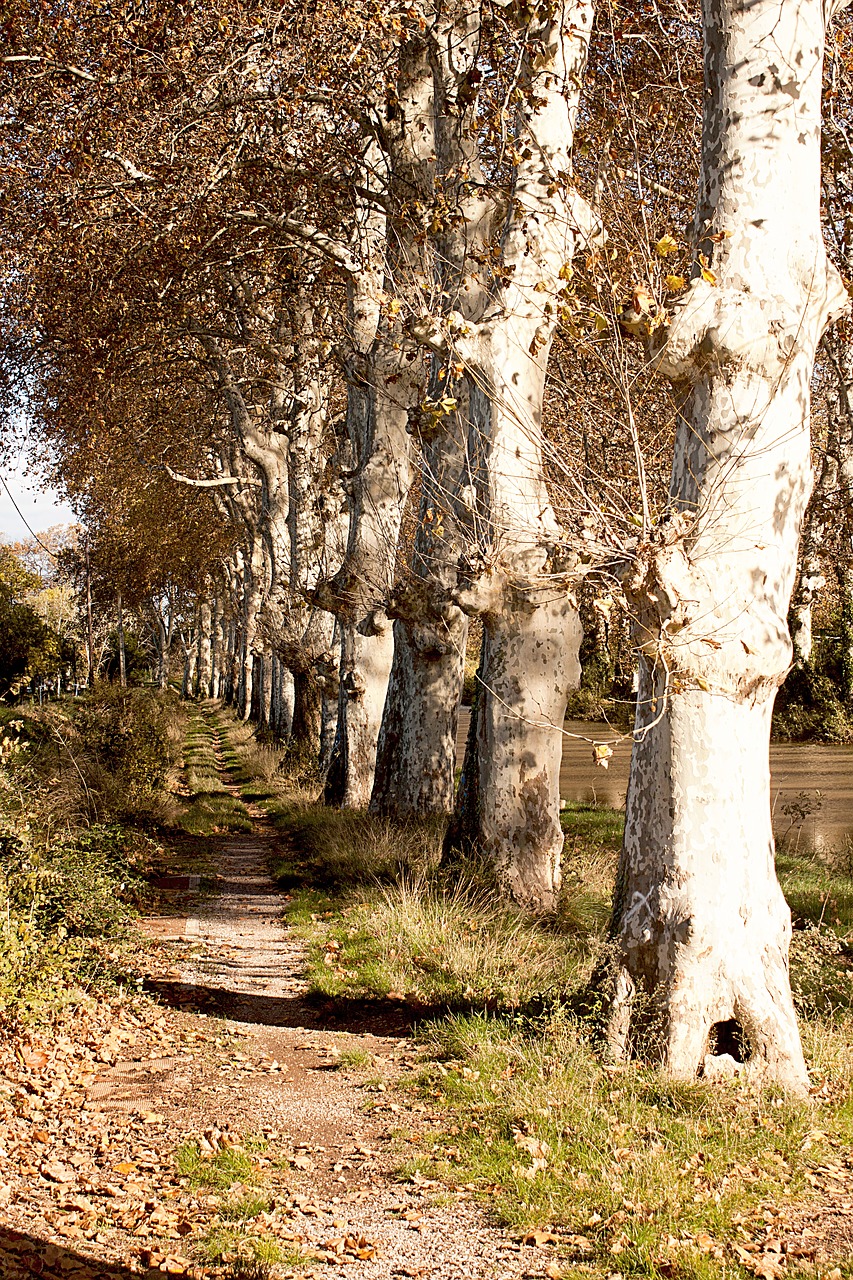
[[40, 507]]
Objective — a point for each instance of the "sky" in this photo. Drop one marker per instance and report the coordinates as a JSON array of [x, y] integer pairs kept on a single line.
[[40, 507]]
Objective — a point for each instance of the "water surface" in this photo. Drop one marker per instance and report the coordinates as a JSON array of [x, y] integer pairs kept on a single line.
[[811, 782]]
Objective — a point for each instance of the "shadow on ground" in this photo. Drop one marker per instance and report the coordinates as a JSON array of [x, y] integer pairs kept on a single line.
[[23, 1256], [361, 1017]]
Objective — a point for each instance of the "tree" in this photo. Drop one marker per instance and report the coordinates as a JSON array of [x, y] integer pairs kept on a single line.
[[700, 926]]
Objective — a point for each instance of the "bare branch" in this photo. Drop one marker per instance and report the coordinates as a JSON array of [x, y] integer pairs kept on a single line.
[[136, 175], [309, 234], [219, 482]]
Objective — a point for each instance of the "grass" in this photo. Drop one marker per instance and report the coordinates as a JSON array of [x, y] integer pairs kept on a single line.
[[246, 1256], [219, 1170], [646, 1176], [638, 1175], [212, 807]]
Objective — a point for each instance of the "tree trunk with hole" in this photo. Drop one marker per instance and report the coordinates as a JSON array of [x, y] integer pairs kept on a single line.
[[700, 926]]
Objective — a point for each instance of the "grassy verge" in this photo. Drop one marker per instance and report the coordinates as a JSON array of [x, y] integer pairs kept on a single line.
[[630, 1173]]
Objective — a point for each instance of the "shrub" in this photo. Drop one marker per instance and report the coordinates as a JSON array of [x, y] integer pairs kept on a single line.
[[821, 973], [58, 900], [129, 744]]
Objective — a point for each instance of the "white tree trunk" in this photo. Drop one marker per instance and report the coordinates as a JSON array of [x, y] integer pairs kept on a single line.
[[367, 652], [281, 717], [188, 686], [417, 743], [519, 578], [205, 653], [700, 924], [385, 383]]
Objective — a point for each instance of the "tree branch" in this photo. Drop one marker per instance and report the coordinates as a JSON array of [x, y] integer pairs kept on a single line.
[[220, 482]]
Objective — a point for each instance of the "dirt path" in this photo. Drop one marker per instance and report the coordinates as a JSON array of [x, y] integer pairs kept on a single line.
[[345, 1156], [254, 966], [347, 1137]]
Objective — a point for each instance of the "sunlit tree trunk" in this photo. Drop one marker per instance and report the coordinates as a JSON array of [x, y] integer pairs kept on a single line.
[[518, 577], [700, 926], [417, 743], [205, 662], [122, 658]]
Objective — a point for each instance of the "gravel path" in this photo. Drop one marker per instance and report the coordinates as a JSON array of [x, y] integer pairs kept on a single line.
[[349, 1140]]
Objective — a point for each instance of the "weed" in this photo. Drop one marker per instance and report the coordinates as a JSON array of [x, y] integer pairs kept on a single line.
[[354, 1059], [244, 1208], [245, 1256], [220, 1169]]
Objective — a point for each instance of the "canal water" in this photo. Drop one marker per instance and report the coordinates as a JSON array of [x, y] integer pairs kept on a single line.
[[812, 783]]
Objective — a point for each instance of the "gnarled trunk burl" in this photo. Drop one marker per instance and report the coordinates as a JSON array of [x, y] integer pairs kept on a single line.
[[700, 924]]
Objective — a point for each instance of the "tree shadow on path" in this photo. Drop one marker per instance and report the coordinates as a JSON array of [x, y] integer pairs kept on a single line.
[[23, 1256], [361, 1017]]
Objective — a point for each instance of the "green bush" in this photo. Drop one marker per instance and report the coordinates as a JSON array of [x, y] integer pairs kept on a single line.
[[58, 900], [808, 709], [127, 735], [821, 973]]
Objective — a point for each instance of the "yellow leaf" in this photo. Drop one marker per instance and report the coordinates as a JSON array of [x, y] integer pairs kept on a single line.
[[601, 754], [566, 271], [707, 273], [666, 245], [703, 684], [600, 322], [395, 306], [674, 283]]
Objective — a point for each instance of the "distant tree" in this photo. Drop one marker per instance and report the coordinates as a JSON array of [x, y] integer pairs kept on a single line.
[[27, 645]]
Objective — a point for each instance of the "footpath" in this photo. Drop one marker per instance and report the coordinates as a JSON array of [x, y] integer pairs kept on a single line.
[[219, 1124]]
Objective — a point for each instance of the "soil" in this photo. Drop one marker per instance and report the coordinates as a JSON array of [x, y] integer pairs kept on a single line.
[[230, 1046], [224, 1049]]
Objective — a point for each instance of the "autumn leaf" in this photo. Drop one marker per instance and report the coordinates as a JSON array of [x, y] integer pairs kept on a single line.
[[666, 245], [707, 273], [538, 1238], [601, 754], [674, 283], [534, 1146]]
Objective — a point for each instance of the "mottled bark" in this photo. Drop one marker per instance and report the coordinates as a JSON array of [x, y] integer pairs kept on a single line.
[[205, 659], [417, 743], [385, 383], [122, 659], [519, 576], [700, 927]]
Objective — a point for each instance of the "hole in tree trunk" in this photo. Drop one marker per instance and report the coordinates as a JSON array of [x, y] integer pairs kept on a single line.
[[728, 1037]]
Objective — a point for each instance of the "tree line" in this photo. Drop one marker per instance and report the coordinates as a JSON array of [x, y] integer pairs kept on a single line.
[[373, 327]]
